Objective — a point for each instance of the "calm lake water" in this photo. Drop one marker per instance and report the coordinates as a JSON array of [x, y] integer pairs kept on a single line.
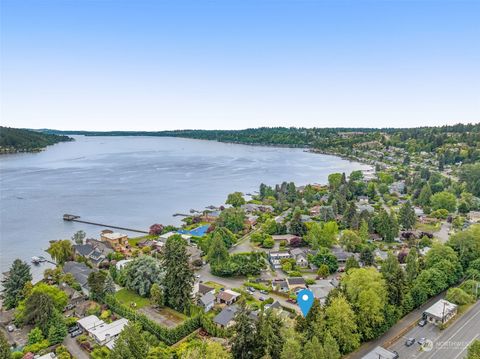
[[134, 182]]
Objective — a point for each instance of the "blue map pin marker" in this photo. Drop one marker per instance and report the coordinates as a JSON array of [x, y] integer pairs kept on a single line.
[[305, 300]]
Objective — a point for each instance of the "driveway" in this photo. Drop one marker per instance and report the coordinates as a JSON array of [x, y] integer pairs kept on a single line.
[[74, 348], [442, 234], [451, 343]]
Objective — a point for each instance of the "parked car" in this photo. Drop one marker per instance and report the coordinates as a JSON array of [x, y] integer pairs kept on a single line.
[[264, 291], [73, 329], [11, 328], [69, 307], [290, 300], [409, 342], [422, 323], [261, 299], [251, 289], [76, 333], [421, 341]]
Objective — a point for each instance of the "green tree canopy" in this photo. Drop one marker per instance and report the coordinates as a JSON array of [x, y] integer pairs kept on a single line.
[[13, 284]]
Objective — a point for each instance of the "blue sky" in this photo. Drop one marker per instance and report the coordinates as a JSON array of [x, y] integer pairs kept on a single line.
[[153, 65]]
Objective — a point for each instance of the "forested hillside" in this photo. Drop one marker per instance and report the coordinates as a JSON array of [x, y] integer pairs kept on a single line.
[[19, 140]]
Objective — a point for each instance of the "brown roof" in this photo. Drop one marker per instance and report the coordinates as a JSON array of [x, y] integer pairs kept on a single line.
[[227, 295], [203, 289]]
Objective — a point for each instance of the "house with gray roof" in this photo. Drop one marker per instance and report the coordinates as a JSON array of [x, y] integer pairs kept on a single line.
[[226, 317], [80, 272], [207, 301]]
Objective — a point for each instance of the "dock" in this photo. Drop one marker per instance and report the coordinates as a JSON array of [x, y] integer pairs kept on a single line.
[[75, 218]]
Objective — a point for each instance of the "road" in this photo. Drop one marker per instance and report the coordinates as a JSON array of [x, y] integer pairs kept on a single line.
[[451, 343], [395, 331], [243, 245], [442, 234], [74, 348]]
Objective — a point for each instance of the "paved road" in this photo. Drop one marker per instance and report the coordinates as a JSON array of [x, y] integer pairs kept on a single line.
[[74, 348], [451, 343], [411, 317], [442, 234]]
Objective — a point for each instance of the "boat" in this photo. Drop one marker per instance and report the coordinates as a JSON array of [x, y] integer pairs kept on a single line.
[[38, 260]]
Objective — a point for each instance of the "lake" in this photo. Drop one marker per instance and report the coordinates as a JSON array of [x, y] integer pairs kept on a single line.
[[134, 182]]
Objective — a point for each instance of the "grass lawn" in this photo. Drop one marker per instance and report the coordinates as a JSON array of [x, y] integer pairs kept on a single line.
[[429, 227], [134, 241], [215, 285], [126, 297], [173, 313]]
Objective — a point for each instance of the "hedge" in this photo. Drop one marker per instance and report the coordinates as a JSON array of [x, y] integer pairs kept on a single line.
[[167, 335]]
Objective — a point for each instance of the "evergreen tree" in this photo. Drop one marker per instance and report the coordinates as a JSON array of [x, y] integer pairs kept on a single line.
[[179, 278], [314, 323], [366, 256], [330, 347], [351, 263], [5, 352], [78, 237], [244, 341], [313, 349], [350, 216], [425, 195], [407, 215], [394, 277], [364, 232], [341, 324], [96, 282], [412, 265], [269, 327], [109, 285], [57, 329], [217, 253], [156, 295], [130, 344], [292, 349], [14, 282]]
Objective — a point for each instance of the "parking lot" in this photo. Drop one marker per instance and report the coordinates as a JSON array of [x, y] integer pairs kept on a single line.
[[450, 343]]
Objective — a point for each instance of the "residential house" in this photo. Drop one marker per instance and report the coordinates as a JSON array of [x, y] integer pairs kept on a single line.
[[122, 263], [286, 237], [365, 207], [194, 253], [210, 216], [103, 333], [275, 258], [381, 353], [227, 296], [474, 216], [295, 283], [252, 207], [280, 285], [321, 289], [380, 254], [89, 252], [275, 305], [300, 256], [207, 301], [80, 272], [362, 199], [104, 247], [204, 289], [226, 317], [251, 220], [342, 255], [118, 241], [397, 188], [440, 312], [163, 238], [315, 211], [74, 296]]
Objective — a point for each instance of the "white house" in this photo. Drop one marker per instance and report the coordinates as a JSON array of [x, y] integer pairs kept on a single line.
[[207, 301], [275, 258], [103, 333], [440, 312]]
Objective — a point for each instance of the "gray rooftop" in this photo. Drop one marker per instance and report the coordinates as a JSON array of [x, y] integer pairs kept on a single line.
[[226, 315]]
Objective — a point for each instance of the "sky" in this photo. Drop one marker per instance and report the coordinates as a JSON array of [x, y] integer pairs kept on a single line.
[[158, 64]]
